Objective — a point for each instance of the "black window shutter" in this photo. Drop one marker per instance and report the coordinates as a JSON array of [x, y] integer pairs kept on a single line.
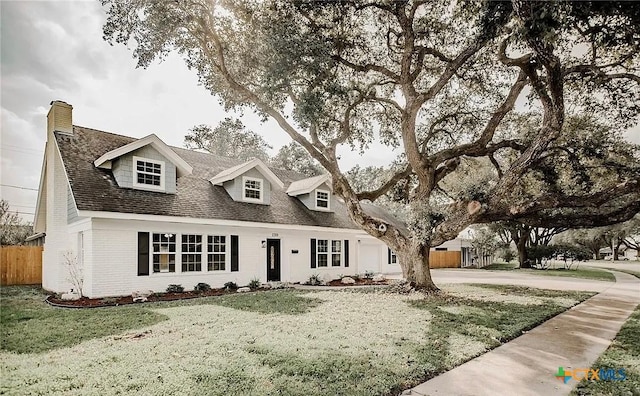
[[234, 253], [346, 252], [313, 253], [143, 253], [388, 256]]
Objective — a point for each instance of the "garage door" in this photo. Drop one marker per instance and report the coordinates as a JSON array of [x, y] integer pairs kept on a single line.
[[369, 258]]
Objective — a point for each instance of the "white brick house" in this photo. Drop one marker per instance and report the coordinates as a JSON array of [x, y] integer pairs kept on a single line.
[[140, 215]]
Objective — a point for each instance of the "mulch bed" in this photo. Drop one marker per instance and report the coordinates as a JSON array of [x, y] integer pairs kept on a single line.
[[359, 282], [85, 302]]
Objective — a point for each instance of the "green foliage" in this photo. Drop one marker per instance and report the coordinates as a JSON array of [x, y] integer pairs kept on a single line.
[[230, 286], [254, 284], [508, 255], [202, 287], [369, 274], [293, 157], [173, 288], [25, 313], [315, 280], [229, 139], [13, 230]]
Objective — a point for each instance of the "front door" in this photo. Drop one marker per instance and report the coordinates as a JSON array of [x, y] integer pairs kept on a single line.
[[273, 260]]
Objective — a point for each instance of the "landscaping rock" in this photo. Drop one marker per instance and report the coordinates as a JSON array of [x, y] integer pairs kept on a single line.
[[141, 296], [70, 296], [379, 278], [347, 280], [244, 290], [268, 285]]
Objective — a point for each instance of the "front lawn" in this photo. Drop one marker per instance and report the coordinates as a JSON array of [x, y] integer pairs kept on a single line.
[[278, 342], [580, 272]]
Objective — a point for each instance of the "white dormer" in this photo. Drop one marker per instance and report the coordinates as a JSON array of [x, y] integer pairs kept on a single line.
[[314, 192], [249, 182], [145, 164]]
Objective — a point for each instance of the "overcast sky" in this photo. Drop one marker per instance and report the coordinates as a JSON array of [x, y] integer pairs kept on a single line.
[[54, 51]]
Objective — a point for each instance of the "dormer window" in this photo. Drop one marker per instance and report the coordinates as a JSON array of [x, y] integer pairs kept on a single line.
[[252, 189], [322, 199], [148, 174]]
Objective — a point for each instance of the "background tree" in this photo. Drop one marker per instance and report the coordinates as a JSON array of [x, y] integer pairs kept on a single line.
[[229, 138], [402, 73], [613, 237], [293, 157], [13, 230]]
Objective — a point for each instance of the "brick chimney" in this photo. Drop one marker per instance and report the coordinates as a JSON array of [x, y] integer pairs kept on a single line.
[[59, 118]]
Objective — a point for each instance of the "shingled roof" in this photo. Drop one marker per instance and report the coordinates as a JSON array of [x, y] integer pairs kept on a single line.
[[96, 189]]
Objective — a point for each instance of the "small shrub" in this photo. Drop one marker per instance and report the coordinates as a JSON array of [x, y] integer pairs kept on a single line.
[[315, 280], [231, 286], [175, 288], [508, 255], [369, 274], [254, 284], [356, 277], [202, 287]]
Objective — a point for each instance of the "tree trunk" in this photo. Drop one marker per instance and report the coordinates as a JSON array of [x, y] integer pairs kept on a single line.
[[416, 267], [522, 252]]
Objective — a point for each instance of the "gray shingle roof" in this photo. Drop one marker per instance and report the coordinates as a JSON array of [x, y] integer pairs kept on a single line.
[[95, 189]]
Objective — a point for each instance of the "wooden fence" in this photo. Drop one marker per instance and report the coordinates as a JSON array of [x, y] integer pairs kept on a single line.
[[439, 259], [20, 265]]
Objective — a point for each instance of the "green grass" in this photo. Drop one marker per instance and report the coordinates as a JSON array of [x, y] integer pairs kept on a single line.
[[29, 325], [286, 302], [580, 272], [623, 353], [501, 267], [24, 312], [284, 342]]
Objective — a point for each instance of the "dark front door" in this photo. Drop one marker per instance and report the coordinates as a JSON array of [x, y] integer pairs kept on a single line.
[[273, 260]]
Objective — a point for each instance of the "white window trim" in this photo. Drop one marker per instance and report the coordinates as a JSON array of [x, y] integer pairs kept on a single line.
[[245, 179], [203, 257], [329, 254], [177, 253], [227, 255], [328, 208], [148, 186]]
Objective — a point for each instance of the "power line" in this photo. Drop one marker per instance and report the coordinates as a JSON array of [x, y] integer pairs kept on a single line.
[[21, 148], [20, 187]]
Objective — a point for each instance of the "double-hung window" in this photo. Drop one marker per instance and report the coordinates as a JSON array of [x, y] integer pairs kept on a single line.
[[328, 252], [322, 199], [164, 252], [217, 252], [322, 247], [252, 189], [336, 253], [148, 173], [191, 253]]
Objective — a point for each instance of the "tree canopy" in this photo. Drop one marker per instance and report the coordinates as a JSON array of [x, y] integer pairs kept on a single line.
[[229, 138], [437, 80]]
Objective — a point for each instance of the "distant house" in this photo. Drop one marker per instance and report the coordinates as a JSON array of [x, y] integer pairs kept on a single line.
[[140, 215]]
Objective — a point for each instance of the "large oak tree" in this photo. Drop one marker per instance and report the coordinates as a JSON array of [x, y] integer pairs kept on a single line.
[[437, 80]]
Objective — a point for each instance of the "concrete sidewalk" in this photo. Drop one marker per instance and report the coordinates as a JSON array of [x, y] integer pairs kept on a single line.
[[528, 364]]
